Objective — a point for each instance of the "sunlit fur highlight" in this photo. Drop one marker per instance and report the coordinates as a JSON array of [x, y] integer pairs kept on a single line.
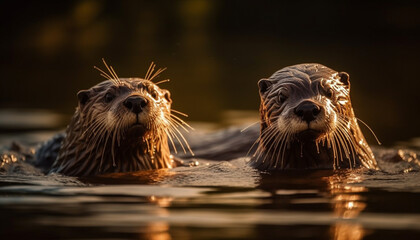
[[340, 143], [101, 137]]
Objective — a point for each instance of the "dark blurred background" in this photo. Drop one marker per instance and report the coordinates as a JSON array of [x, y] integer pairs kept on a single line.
[[215, 52]]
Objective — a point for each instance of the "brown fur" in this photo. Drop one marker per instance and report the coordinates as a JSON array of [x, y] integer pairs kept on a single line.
[[332, 140], [106, 137]]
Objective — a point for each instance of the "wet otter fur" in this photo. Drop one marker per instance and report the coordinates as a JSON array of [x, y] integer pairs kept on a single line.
[[120, 125], [307, 121]]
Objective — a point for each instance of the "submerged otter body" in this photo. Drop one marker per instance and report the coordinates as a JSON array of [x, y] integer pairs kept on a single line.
[[307, 121], [120, 125]]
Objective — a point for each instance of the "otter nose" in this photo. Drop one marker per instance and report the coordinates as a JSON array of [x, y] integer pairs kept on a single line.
[[135, 104], [307, 111]]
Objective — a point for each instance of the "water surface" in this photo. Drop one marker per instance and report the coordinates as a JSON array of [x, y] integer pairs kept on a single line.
[[215, 200]]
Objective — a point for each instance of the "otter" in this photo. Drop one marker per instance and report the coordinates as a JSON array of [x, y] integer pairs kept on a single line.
[[307, 121], [120, 125]]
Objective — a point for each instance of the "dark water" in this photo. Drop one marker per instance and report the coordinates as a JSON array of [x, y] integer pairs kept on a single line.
[[213, 200]]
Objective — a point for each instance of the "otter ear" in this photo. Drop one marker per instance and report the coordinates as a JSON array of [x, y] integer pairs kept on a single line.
[[264, 84], [167, 96], [344, 78], [83, 96]]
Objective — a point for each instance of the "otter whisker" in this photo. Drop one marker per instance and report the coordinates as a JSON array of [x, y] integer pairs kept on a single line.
[[182, 122], [278, 147], [317, 146], [103, 73], [335, 147], [264, 140], [185, 141], [117, 126], [115, 79], [181, 113], [172, 141], [150, 70], [96, 140], [97, 131], [173, 134], [350, 140], [285, 144], [370, 129], [260, 139], [163, 81], [348, 147], [104, 76], [159, 71], [344, 146], [119, 135], [105, 144], [341, 131], [92, 129], [274, 138], [252, 124], [177, 124], [277, 139], [340, 144], [339, 147], [147, 163], [252, 146], [115, 74], [332, 147]]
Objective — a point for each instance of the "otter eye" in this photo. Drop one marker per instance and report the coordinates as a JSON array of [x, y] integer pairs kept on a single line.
[[329, 93], [109, 97], [282, 97], [154, 94]]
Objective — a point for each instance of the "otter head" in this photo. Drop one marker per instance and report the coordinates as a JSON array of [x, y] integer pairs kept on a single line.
[[120, 125], [132, 108], [303, 108], [305, 102]]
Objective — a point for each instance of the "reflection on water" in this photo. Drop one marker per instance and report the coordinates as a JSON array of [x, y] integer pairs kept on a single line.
[[293, 205], [333, 190], [210, 200], [345, 231], [142, 177], [347, 204]]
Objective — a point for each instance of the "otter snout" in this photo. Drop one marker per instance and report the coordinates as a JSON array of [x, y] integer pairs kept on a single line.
[[307, 111], [135, 104]]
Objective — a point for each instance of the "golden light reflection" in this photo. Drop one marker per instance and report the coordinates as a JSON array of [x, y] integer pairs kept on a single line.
[[8, 159], [347, 231], [335, 192], [347, 204], [155, 231], [347, 209], [140, 177], [161, 201]]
